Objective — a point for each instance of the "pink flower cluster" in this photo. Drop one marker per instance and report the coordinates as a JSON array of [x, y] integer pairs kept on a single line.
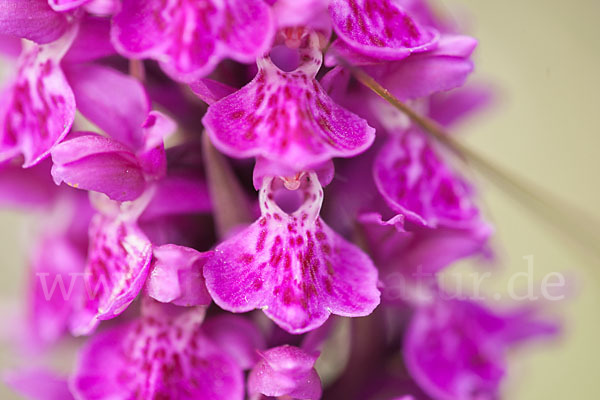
[[111, 100]]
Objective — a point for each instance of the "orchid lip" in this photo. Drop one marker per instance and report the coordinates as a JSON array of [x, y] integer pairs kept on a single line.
[[299, 270]]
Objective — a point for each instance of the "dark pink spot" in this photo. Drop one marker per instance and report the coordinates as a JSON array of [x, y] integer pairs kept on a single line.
[[287, 262], [288, 295], [328, 286], [260, 243], [246, 258], [237, 114]]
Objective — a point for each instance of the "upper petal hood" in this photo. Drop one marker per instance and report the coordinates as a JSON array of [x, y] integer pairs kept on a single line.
[[287, 117], [189, 38]]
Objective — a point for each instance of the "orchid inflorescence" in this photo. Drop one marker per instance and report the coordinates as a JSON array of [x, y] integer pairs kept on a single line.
[[149, 115]]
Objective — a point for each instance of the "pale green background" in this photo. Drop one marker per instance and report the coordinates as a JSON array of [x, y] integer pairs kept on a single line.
[[544, 56]]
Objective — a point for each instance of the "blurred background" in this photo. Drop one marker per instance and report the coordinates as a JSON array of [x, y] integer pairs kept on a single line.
[[543, 57]]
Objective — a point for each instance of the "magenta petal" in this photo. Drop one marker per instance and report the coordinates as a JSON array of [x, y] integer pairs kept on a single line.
[[422, 252], [153, 163], [248, 31], [450, 45], [287, 117], [95, 376], [379, 28], [92, 41], [176, 276], [416, 183], [103, 7], [98, 163], [292, 266], [210, 91], [157, 357], [190, 38], [156, 129], [66, 5], [116, 102], [286, 371], [237, 336], [421, 75], [456, 348], [39, 108], [178, 194], [307, 13], [31, 19], [116, 270], [152, 157]]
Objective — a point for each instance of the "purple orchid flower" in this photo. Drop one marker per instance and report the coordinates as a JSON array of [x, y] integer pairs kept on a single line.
[[409, 261], [417, 215], [287, 117], [122, 261], [293, 266], [164, 353], [125, 164], [455, 349], [415, 183], [379, 29], [190, 38], [38, 109], [170, 224], [39, 105], [118, 263]]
